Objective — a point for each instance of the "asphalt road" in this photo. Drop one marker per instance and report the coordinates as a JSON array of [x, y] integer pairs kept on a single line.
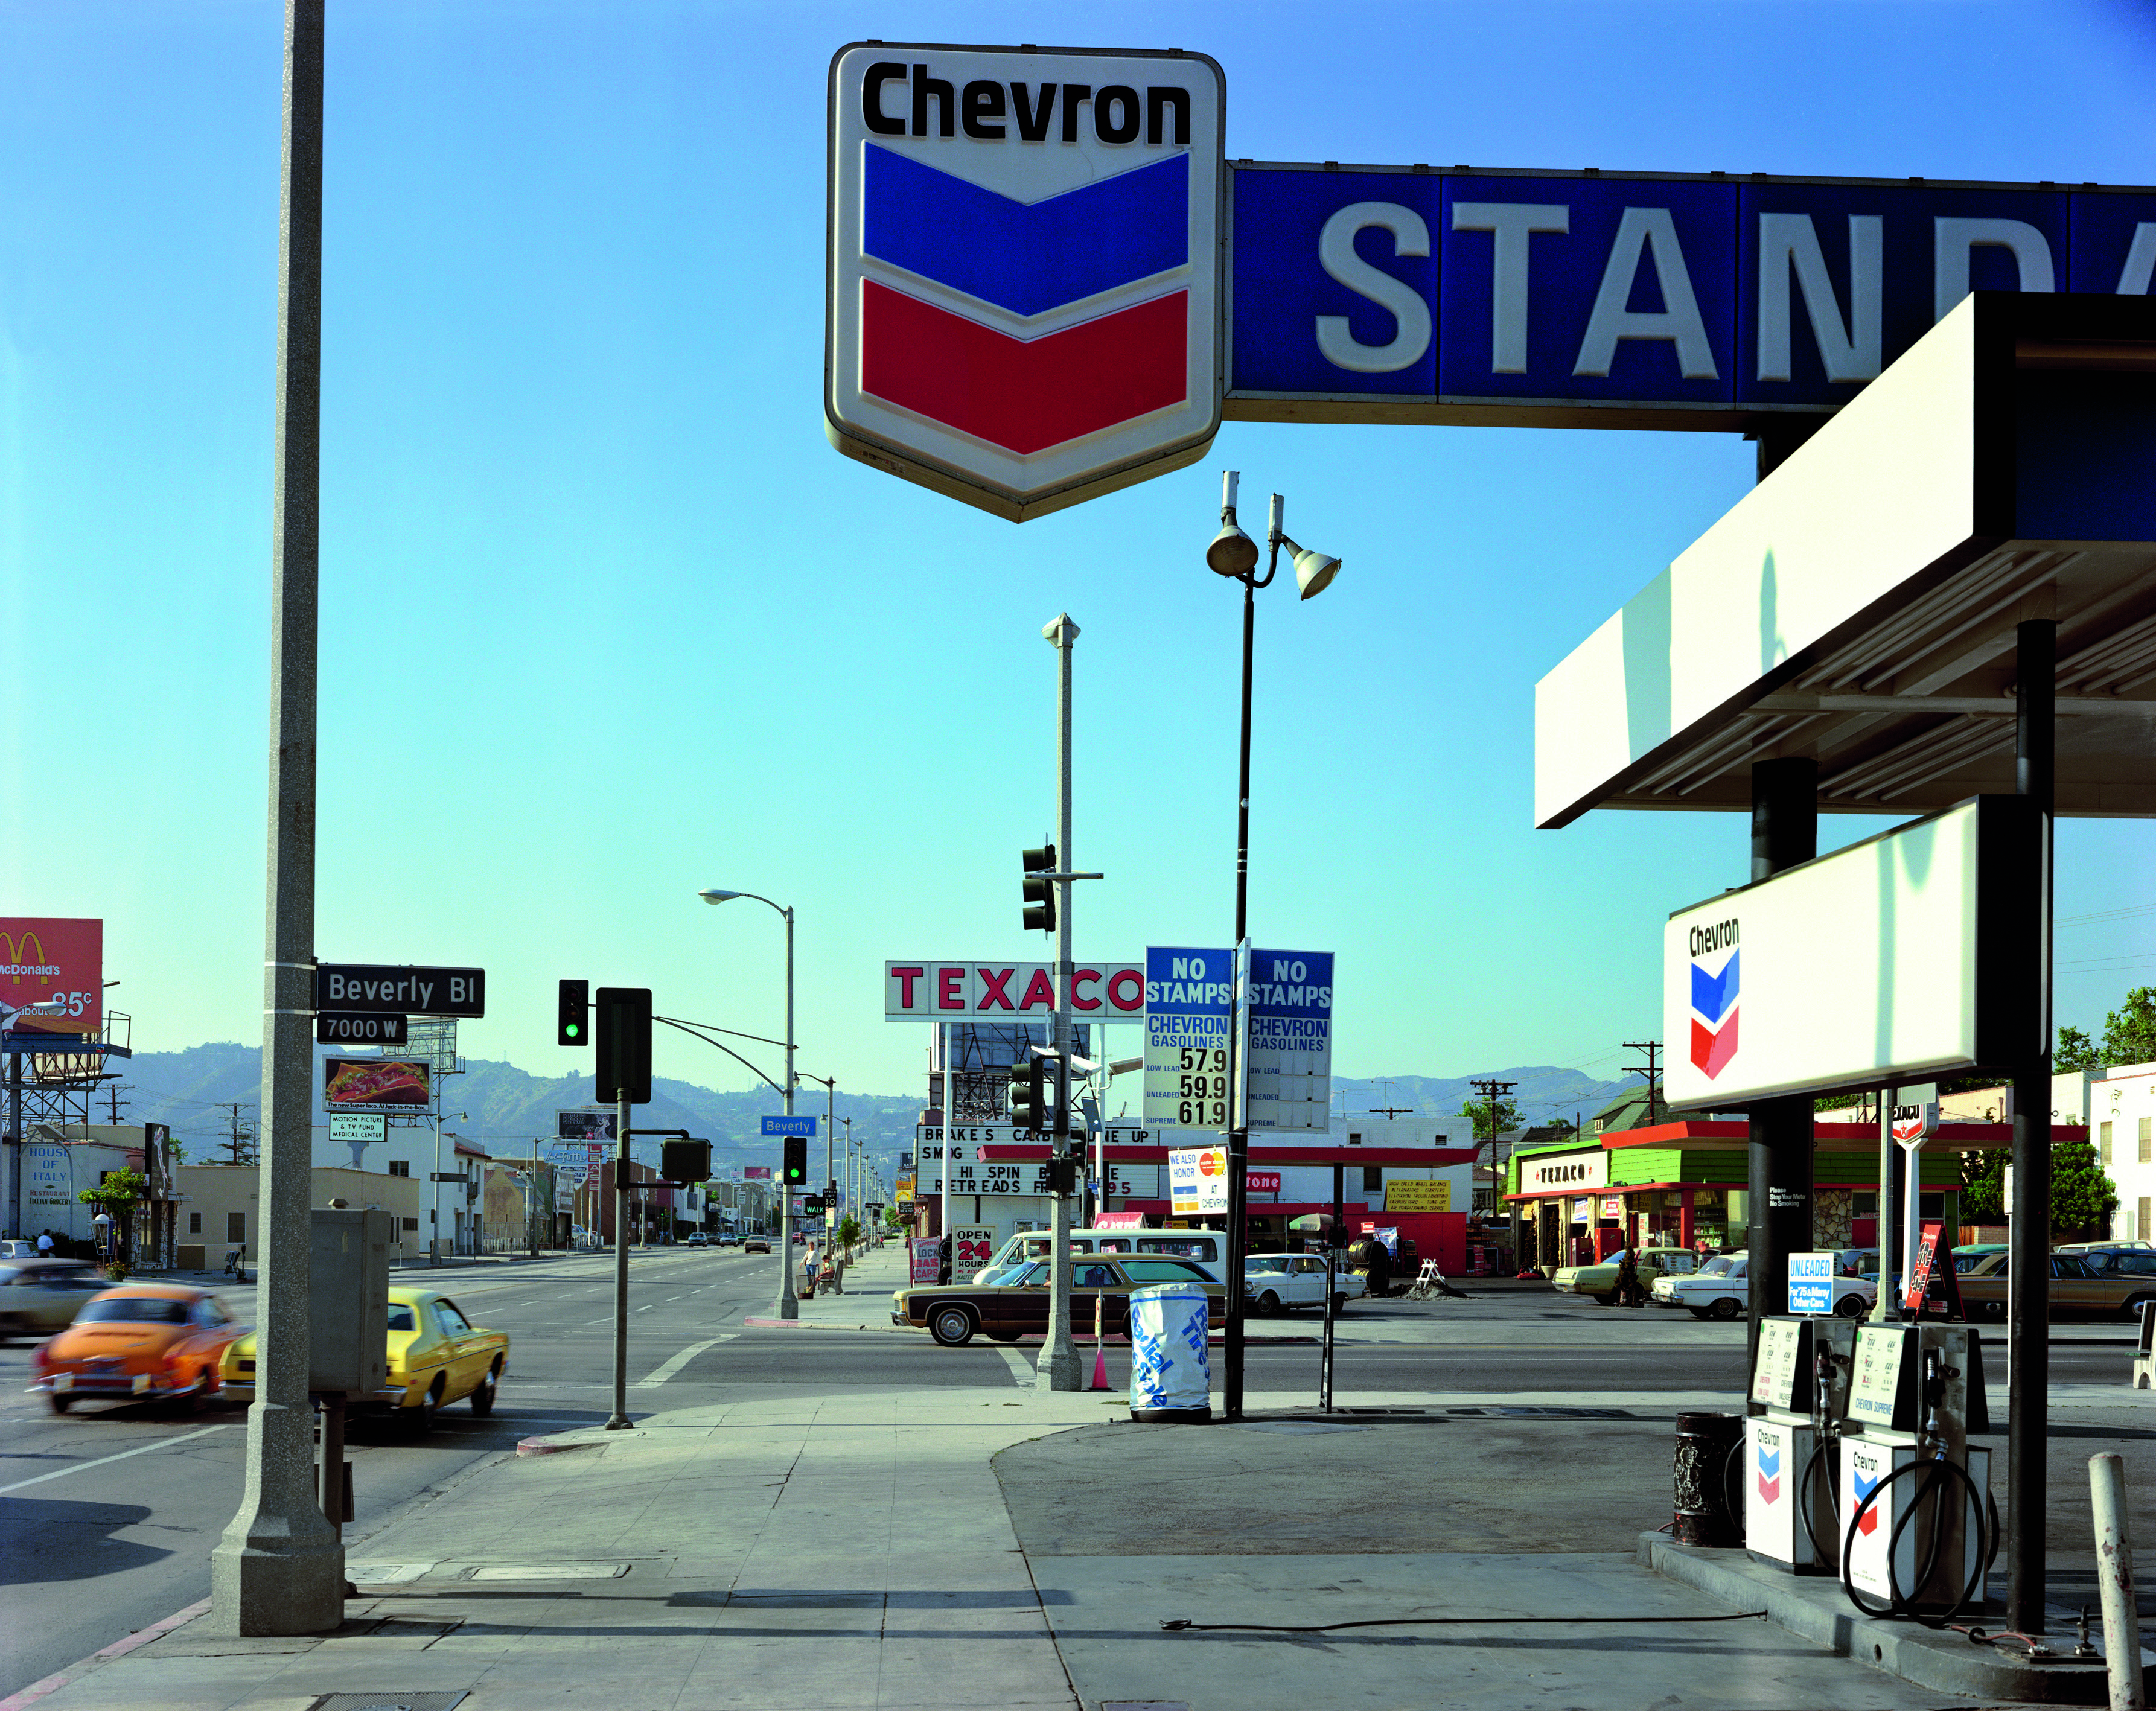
[[108, 1513]]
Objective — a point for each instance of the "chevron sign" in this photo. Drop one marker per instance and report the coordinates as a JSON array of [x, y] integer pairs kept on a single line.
[[1770, 1474], [1713, 1012], [1024, 268]]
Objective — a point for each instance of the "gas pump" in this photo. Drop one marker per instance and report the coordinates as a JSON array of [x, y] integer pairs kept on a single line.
[[1801, 1377], [1918, 1528]]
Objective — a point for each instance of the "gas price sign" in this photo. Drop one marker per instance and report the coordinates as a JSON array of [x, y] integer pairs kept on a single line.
[[1188, 996]]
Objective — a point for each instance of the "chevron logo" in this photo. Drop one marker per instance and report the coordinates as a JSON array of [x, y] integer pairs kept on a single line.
[[1870, 1519], [1025, 259], [1714, 1015], [1770, 1474]]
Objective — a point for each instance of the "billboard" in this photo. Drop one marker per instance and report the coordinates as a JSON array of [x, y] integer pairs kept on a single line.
[[1896, 959], [951, 989], [755, 1173], [588, 1123], [1288, 1036], [1189, 1000], [376, 1084], [45, 957], [1023, 306]]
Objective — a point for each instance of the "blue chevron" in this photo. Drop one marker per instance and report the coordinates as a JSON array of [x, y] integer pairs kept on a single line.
[[1026, 257], [1712, 995], [1770, 1463]]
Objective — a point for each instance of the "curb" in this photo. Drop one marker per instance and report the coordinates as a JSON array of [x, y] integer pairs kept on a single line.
[[59, 1678], [1083, 1341], [543, 1446], [1814, 1609]]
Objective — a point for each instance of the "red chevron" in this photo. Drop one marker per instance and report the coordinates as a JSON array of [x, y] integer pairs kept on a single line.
[[1023, 395], [1770, 1489]]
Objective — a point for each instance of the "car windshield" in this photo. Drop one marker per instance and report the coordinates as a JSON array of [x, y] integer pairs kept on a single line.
[[134, 1309], [1718, 1267]]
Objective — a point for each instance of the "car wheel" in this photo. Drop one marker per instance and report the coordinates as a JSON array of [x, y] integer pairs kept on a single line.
[[58, 1401], [1727, 1308], [482, 1398], [952, 1326], [430, 1404], [1269, 1304], [1849, 1307], [1339, 1305], [2137, 1305]]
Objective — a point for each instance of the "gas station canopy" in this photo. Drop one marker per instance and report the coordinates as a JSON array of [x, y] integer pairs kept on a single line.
[[1859, 605]]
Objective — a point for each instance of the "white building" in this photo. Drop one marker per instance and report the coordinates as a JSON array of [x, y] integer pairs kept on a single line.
[[2119, 1106], [452, 1208]]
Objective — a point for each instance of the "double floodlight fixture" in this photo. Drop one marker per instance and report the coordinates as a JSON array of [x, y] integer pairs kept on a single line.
[[1232, 553]]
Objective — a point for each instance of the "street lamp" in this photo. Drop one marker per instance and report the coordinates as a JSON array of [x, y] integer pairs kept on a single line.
[[1232, 553], [788, 1305]]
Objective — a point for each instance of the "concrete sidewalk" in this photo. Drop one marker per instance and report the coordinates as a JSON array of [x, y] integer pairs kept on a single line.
[[953, 1549]]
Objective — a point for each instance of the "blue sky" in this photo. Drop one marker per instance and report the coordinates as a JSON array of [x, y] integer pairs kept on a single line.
[[606, 620]]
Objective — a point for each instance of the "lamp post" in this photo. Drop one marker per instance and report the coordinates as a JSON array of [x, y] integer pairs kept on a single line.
[[788, 1304], [832, 1264], [1232, 553]]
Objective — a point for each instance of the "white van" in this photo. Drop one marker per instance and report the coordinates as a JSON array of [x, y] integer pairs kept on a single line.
[[1208, 1248]]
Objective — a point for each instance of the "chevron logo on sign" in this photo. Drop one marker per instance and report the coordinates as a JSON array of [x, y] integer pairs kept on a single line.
[[1770, 1474], [1024, 300], [1870, 1519], [1713, 1015]]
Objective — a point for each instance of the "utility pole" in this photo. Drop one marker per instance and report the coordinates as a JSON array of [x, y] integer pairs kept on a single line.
[[1058, 1354], [279, 1567], [1649, 1069], [113, 1094], [1495, 1092]]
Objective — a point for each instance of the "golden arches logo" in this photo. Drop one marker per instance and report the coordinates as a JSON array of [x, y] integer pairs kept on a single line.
[[17, 958]]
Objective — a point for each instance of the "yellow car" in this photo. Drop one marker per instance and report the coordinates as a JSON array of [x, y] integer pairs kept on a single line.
[[437, 1356]]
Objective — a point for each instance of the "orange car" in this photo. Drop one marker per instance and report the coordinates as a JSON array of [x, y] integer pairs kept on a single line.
[[154, 1340]]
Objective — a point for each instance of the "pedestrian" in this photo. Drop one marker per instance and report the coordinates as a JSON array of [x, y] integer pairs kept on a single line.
[[44, 1244], [1629, 1292]]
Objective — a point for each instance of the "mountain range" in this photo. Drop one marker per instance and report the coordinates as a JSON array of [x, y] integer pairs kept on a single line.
[[505, 1109]]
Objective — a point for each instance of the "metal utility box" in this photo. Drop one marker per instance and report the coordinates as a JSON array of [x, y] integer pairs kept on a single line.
[[348, 1303]]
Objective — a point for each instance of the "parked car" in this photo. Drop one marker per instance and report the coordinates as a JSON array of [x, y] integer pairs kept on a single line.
[[15, 1248], [1600, 1280], [1280, 1283], [437, 1356], [756, 1244], [38, 1297], [2126, 1285], [1005, 1311], [1207, 1247], [163, 1342], [1716, 1290], [1967, 1259]]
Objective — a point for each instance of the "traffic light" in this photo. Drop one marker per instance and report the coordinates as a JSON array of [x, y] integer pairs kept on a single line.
[[1040, 894], [685, 1160], [797, 1160], [1062, 1175], [1029, 1095], [624, 1044], [572, 1018]]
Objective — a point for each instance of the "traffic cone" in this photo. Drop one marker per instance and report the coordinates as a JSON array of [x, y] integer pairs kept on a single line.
[[1099, 1369]]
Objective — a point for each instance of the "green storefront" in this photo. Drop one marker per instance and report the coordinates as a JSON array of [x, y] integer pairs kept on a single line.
[[1681, 1184]]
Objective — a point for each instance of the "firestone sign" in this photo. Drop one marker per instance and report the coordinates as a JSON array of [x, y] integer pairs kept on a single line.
[[1025, 266]]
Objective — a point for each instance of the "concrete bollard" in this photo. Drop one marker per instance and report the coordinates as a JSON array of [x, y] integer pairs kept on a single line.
[[2114, 1569]]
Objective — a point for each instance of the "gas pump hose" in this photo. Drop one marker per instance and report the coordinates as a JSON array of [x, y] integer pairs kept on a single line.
[[1900, 1603]]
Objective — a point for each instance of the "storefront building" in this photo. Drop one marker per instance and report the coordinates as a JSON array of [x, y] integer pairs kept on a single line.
[[1682, 1185]]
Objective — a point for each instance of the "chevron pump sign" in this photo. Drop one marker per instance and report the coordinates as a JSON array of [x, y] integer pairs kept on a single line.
[[1025, 253]]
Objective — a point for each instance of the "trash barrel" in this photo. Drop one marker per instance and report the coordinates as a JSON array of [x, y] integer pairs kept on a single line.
[[1710, 1451], [1171, 1376]]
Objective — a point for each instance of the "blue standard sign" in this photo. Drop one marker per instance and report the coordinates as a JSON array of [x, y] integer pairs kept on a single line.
[[1373, 293]]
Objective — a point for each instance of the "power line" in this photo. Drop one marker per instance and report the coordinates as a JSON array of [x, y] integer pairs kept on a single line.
[[1648, 1069]]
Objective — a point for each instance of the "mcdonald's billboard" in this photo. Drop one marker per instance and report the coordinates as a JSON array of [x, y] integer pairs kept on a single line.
[[53, 957]]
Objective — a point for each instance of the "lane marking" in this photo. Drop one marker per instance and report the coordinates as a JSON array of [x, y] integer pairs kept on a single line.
[[1024, 1373], [676, 1363], [162, 1443], [647, 1307]]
